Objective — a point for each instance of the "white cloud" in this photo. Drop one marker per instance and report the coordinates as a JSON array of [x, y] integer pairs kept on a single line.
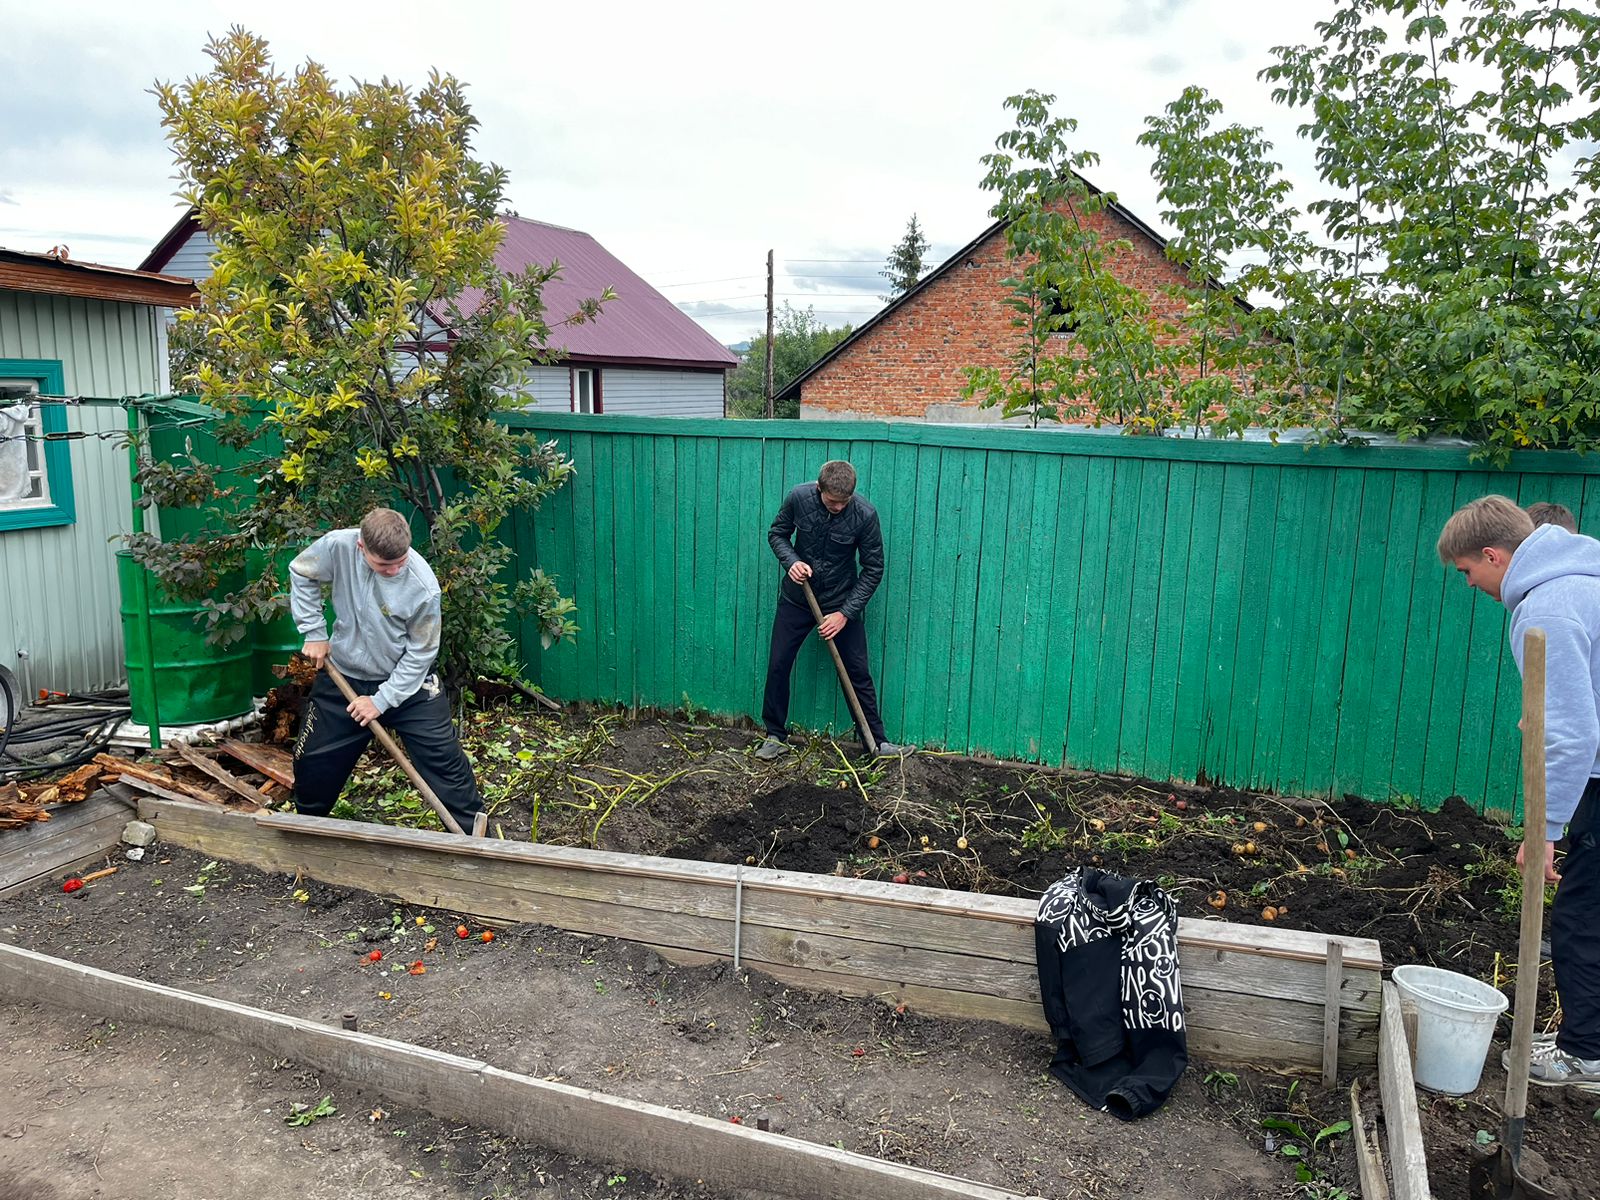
[[688, 139]]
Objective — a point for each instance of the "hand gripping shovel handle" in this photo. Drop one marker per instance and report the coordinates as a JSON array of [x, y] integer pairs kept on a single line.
[[844, 676], [386, 740]]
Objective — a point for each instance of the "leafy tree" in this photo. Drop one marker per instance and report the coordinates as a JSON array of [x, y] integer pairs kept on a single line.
[[1444, 281], [798, 340], [355, 306], [904, 267], [1086, 343]]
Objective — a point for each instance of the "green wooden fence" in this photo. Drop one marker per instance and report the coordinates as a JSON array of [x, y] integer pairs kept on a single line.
[[1256, 615]]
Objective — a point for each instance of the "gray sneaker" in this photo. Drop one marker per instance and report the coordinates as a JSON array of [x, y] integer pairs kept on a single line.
[[891, 750], [1550, 1066], [772, 748]]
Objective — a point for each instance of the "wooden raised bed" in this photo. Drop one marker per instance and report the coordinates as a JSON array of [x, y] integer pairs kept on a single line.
[[76, 835], [1252, 996]]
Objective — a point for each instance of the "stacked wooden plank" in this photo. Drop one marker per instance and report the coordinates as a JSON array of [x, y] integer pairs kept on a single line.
[[1257, 996]]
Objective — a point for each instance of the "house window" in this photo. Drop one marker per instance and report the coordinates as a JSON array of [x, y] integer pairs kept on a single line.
[[35, 473], [586, 390]]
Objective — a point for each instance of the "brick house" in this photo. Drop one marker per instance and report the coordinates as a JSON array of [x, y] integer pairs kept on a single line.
[[905, 364]]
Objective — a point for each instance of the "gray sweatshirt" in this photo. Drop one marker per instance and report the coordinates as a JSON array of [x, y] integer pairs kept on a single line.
[[1553, 584], [384, 628]]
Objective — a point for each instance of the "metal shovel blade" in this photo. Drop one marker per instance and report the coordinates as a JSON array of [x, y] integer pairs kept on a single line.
[[1491, 1176]]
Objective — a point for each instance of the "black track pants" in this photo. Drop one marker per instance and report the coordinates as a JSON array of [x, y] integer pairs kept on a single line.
[[331, 741], [1575, 931], [790, 628]]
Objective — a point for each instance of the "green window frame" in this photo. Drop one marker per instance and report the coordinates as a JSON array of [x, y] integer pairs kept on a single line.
[[48, 376]]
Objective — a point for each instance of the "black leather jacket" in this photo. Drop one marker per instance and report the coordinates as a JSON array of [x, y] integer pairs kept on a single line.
[[829, 544]]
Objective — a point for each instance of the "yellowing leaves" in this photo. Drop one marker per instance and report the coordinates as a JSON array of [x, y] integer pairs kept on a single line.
[[371, 464]]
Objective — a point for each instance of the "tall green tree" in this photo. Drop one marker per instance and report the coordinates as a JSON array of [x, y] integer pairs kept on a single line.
[[1086, 344], [799, 338], [354, 301], [904, 267], [1445, 280]]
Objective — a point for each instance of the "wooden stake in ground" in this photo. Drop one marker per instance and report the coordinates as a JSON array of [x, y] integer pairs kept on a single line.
[[386, 740], [867, 739]]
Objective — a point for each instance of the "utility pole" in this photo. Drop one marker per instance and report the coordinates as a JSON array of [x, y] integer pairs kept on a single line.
[[769, 335]]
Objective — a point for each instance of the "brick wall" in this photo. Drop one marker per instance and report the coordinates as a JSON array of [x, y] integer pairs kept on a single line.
[[913, 357]]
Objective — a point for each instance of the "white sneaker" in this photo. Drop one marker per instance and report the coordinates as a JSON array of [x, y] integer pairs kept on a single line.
[[772, 748]]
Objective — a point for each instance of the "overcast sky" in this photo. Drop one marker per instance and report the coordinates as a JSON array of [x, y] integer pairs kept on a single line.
[[688, 138]]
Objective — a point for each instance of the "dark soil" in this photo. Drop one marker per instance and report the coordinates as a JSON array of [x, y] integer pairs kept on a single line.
[[967, 1098]]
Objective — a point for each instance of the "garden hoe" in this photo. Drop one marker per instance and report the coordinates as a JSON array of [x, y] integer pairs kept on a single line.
[[867, 739], [386, 739], [1497, 1174]]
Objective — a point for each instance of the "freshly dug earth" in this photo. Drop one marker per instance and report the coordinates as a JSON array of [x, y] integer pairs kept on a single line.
[[966, 1098]]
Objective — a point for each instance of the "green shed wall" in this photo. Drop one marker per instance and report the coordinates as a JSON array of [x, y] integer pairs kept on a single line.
[[1255, 615]]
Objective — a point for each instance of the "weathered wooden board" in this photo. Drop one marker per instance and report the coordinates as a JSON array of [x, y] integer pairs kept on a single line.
[[572, 1120], [1253, 995], [1402, 1123], [75, 835]]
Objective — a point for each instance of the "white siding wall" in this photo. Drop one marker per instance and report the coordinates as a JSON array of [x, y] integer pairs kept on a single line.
[[648, 393], [551, 388], [193, 259], [59, 622]]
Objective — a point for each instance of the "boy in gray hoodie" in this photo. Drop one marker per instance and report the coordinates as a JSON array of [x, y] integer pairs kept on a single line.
[[1549, 579], [385, 638]]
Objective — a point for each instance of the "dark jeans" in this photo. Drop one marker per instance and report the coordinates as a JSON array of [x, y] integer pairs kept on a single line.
[[1575, 931], [331, 741], [791, 625]]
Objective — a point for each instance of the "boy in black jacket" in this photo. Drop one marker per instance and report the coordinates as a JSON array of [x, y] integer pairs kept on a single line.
[[817, 536]]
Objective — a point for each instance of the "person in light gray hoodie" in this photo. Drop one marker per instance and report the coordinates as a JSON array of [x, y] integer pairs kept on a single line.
[[385, 638], [1549, 579]]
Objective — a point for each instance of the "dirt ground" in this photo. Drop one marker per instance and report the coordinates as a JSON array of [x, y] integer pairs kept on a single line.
[[969, 1099], [98, 1109], [974, 1100]]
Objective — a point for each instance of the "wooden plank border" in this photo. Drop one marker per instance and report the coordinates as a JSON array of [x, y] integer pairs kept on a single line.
[[572, 1120], [1402, 1122], [74, 836], [1254, 996]]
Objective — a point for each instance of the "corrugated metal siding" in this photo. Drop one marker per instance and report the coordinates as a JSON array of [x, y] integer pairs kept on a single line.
[[58, 586], [193, 259], [662, 393]]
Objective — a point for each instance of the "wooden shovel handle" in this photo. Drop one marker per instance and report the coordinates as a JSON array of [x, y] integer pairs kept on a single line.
[[844, 676], [386, 740], [1533, 860]]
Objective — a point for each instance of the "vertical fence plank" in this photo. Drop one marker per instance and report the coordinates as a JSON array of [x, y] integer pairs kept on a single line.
[[1254, 645], [1277, 646], [1391, 628], [1028, 738], [1170, 614], [1122, 539], [1189, 712], [1083, 707], [1066, 566]]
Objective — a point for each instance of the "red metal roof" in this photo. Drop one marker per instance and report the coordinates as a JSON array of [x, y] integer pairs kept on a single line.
[[640, 325]]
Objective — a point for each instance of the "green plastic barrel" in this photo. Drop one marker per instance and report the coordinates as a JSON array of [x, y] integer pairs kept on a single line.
[[178, 428], [271, 642], [195, 681]]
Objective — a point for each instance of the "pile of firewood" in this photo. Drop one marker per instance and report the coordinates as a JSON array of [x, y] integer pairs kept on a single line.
[[235, 774]]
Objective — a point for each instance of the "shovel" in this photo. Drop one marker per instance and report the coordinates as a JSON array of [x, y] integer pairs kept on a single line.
[[1497, 1175], [386, 740], [867, 739]]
